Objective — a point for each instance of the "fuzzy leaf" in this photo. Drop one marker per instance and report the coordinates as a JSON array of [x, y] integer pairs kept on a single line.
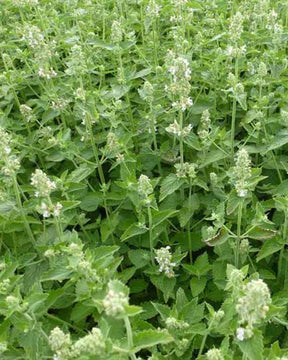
[[197, 285], [147, 338], [269, 247], [261, 233], [220, 238], [169, 185], [133, 230], [253, 348]]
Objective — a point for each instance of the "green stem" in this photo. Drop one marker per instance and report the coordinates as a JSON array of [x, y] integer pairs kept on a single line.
[[203, 344], [234, 112], [181, 139], [56, 220], [239, 220], [188, 226], [150, 234], [20, 207], [129, 337]]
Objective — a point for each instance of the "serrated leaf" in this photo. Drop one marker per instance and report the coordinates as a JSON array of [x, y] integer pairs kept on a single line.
[[160, 216], [269, 247], [133, 230], [261, 233], [148, 338], [132, 310], [253, 348], [91, 201], [279, 140], [220, 238], [192, 141], [165, 284], [81, 173], [233, 202], [189, 206], [141, 73], [169, 185], [139, 257], [200, 267], [197, 285], [163, 310], [242, 100]]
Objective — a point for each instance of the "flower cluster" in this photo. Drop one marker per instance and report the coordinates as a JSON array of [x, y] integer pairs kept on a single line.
[[113, 147], [186, 170], [47, 210], [44, 186], [164, 257], [27, 113], [77, 63], [175, 129], [236, 27], [80, 264], [214, 354], [4, 286], [241, 173], [11, 163], [92, 344], [47, 73], [253, 306], [153, 9], [147, 92], [115, 300], [178, 67], [173, 324], [205, 125], [145, 187], [116, 32]]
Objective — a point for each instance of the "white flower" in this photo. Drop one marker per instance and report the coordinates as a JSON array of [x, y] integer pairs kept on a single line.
[[115, 301], [145, 187], [254, 305], [42, 183], [240, 333], [163, 257]]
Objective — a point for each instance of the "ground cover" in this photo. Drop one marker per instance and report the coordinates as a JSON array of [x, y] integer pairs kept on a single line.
[[144, 188]]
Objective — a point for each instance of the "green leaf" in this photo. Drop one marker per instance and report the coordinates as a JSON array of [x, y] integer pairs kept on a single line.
[[108, 226], [220, 238], [148, 338], [189, 206], [141, 73], [270, 247], [160, 216], [192, 141], [197, 285], [139, 257], [169, 185], [192, 312], [279, 140], [133, 230], [132, 310], [242, 100], [80, 173], [58, 273], [165, 284], [91, 201], [163, 310], [253, 348], [233, 202], [261, 233], [200, 267]]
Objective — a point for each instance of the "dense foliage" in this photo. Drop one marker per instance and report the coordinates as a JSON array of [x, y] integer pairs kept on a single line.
[[144, 188]]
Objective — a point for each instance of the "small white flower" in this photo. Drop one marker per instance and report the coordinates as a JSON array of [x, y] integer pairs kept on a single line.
[[240, 333]]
